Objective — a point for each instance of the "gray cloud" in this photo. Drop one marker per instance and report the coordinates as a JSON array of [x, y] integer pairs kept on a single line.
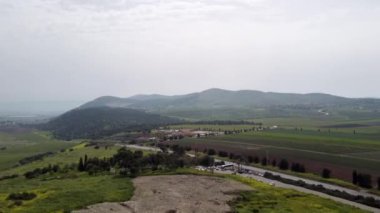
[[78, 50]]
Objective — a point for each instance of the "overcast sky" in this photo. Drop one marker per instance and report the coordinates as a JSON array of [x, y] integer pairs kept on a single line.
[[59, 50]]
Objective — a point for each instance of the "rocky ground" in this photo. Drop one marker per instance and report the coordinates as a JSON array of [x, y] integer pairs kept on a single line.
[[176, 193]]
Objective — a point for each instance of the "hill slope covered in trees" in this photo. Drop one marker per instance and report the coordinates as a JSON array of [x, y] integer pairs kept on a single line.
[[102, 121]]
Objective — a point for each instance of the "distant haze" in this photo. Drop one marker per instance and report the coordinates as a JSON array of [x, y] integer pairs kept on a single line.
[[64, 50]]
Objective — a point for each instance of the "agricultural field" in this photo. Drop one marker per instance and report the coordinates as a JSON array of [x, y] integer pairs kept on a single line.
[[314, 145], [67, 191], [18, 144]]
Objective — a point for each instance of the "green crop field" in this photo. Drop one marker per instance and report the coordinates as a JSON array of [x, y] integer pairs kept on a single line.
[[318, 147]]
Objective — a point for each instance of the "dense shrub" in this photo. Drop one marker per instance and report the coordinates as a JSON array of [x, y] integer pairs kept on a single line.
[[264, 161], [284, 165], [223, 154], [21, 196], [35, 158], [274, 163], [40, 171], [326, 173], [297, 167], [206, 161], [365, 180], [211, 152]]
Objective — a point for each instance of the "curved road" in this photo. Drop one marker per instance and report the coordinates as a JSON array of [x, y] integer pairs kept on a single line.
[[308, 191], [289, 186]]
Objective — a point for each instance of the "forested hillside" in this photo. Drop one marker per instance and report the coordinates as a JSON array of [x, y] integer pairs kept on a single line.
[[103, 121]]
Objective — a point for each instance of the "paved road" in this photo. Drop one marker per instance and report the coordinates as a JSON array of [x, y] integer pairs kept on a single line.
[[301, 189], [326, 185], [283, 185]]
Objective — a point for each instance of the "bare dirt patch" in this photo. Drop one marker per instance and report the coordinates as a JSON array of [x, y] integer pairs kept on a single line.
[[176, 193]]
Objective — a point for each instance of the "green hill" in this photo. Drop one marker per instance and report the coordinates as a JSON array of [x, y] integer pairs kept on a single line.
[[103, 121]]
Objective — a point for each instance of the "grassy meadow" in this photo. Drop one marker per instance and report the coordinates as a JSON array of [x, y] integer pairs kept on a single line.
[[56, 192], [15, 146]]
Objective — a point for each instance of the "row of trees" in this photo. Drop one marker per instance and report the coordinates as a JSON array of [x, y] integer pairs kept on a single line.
[[40, 171], [360, 179], [36, 157], [173, 137], [283, 164], [363, 180], [370, 201]]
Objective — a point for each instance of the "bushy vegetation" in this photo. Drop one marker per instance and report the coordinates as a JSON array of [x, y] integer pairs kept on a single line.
[[326, 173], [128, 163], [41, 171], [36, 157], [361, 179], [21, 196]]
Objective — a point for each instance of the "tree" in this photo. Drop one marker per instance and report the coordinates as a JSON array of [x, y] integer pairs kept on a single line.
[[326, 173], [264, 161], [364, 180], [206, 161], [85, 161], [355, 177], [256, 159], [250, 159], [274, 162], [81, 165], [284, 165], [231, 155], [211, 152], [178, 150], [223, 154]]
